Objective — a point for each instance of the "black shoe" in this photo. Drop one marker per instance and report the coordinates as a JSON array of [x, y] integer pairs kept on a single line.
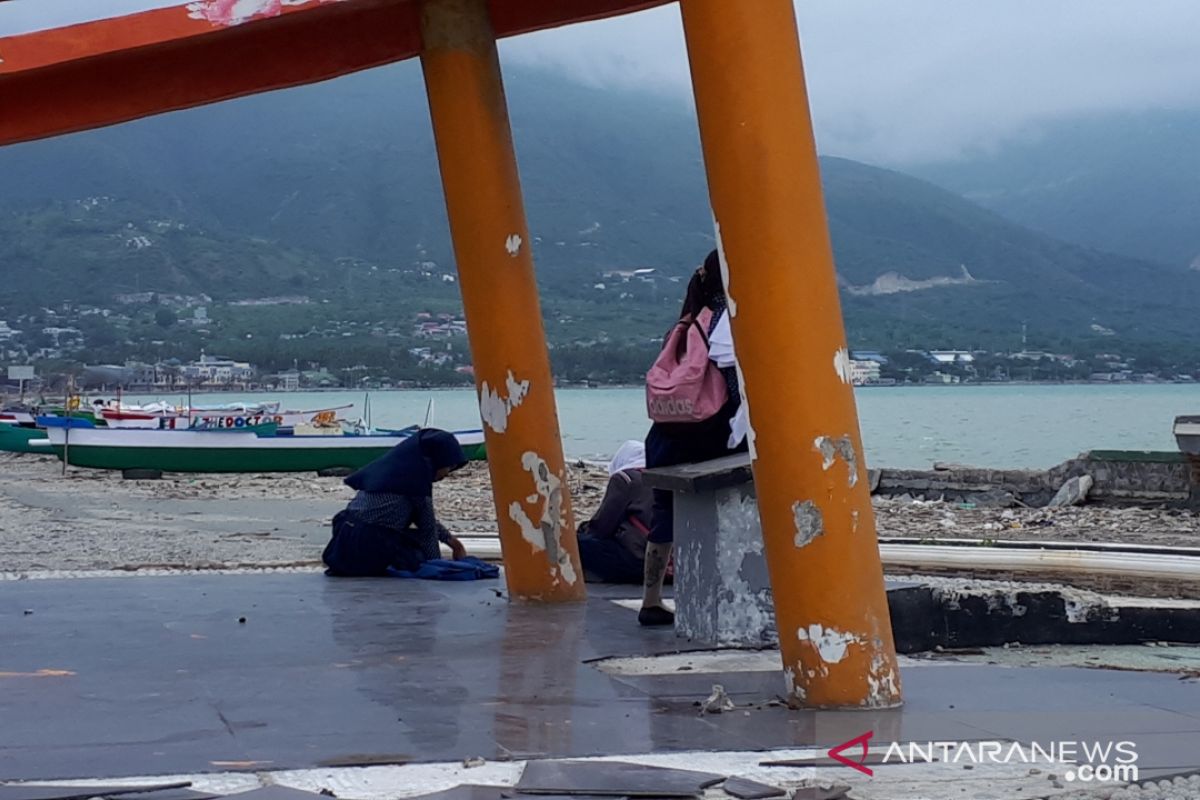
[[654, 616]]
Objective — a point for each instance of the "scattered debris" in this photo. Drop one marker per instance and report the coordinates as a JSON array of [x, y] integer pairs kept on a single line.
[[93, 521], [718, 702], [1073, 492], [921, 520], [996, 498], [825, 791], [476, 761], [746, 789], [612, 779]]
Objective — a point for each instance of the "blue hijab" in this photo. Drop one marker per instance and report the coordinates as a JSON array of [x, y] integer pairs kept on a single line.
[[409, 467]]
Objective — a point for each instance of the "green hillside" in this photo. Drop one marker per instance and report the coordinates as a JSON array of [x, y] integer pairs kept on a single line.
[[332, 191], [1129, 183], [95, 248]]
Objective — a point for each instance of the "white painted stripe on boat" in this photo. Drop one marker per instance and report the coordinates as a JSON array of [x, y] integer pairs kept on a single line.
[[1187, 429], [222, 439], [214, 440]]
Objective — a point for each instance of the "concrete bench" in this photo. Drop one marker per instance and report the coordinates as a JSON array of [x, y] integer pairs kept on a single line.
[[722, 589]]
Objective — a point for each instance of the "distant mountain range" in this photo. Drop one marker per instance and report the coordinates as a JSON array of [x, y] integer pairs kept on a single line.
[[275, 194], [1128, 183]]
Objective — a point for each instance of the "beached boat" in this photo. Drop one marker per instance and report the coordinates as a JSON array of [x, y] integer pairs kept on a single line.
[[85, 414], [163, 416], [1187, 435], [18, 415], [225, 450], [21, 439]]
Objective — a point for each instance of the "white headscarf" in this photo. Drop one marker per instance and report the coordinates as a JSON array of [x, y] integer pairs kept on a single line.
[[631, 455]]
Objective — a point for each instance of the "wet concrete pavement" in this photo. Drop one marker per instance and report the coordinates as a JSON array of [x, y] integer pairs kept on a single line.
[[129, 676]]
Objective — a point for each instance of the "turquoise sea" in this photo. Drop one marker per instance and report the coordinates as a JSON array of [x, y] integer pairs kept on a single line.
[[997, 426]]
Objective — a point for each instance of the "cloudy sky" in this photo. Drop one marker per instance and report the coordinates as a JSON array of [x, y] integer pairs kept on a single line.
[[891, 82]]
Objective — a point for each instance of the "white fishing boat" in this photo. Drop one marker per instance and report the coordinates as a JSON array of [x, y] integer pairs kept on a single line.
[[256, 449]]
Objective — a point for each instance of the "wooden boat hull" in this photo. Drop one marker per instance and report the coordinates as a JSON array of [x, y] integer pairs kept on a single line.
[[79, 414], [1187, 435], [18, 438], [11, 417], [227, 451]]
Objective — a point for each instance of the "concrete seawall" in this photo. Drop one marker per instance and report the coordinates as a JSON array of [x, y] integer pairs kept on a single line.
[[1120, 477]]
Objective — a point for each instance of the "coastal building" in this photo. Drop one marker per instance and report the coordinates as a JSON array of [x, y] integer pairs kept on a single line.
[[951, 357], [444, 327], [156, 375], [286, 381], [869, 355], [63, 336], [218, 372], [864, 372]]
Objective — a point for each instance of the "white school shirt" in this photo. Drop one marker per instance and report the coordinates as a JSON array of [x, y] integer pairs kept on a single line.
[[721, 352]]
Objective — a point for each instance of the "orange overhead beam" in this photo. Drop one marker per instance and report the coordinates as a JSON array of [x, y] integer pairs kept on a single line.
[[99, 73]]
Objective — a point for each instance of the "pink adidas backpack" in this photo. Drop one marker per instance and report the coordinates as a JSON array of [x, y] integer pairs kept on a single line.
[[684, 385]]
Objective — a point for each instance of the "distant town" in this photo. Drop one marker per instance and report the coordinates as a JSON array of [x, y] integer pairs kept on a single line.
[[74, 344]]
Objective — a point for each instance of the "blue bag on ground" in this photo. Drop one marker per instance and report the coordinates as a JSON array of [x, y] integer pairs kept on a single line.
[[439, 569]]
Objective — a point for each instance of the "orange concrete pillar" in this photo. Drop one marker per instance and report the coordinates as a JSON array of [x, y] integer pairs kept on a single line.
[[495, 265], [764, 182]]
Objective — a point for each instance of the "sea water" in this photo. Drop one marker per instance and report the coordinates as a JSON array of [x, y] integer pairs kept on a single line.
[[1008, 426]]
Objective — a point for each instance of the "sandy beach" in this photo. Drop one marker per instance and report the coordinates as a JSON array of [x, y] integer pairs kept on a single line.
[[95, 520]]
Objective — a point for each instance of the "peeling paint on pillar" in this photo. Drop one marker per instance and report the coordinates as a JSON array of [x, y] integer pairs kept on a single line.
[[794, 689], [841, 365], [513, 245], [494, 409], [546, 534], [830, 448], [831, 645], [824, 446], [740, 607], [882, 681], [808, 520]]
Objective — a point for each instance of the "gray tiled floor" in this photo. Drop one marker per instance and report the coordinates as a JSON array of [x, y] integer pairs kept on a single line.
[[325, 671]]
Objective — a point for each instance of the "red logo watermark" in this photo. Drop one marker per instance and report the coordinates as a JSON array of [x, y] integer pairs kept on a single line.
[[863, 741], [1085, 761]]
